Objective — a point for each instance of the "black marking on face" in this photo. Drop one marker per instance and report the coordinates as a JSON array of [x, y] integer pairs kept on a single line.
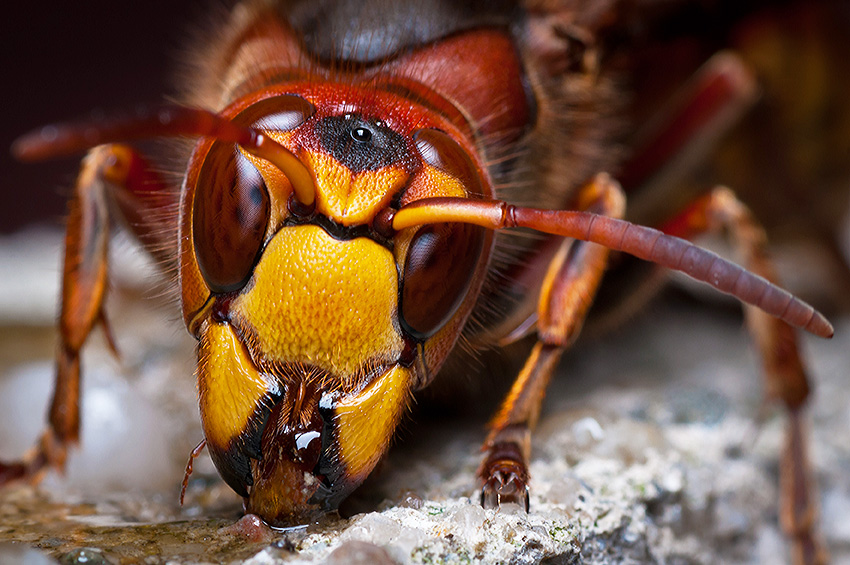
[[360, 144]]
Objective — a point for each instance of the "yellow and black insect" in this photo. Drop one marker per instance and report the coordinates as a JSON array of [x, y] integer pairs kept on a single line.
[[357, 168]]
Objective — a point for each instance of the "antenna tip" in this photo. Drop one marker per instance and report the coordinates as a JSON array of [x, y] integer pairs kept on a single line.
[[820, 326]]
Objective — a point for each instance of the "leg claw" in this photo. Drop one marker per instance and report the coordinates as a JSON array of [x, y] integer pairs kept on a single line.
[[48, 452], [505, 477], [502, 490]]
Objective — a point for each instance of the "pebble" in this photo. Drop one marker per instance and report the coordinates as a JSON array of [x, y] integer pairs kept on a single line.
[[359, 553]]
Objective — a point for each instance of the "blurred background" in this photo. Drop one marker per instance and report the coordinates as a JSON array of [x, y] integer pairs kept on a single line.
[[61, 62], [788, 158]]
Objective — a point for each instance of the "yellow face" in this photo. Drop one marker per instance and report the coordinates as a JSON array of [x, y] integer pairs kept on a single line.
[[316, 324]]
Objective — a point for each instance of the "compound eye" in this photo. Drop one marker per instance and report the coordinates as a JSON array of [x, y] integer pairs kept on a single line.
[[441, 263], [278, 113], [439, 150], [442, 258], [230, 215]]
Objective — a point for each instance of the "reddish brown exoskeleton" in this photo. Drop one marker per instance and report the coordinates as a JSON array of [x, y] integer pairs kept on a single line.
[[334, 233]]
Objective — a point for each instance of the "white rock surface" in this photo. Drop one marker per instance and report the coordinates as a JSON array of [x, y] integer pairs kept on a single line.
[[654, 447]]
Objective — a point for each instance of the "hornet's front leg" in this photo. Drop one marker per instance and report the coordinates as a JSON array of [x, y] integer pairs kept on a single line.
[[568, 290], [113, 178]]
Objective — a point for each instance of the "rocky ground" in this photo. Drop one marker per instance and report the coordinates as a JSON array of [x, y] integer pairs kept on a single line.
[[655, 447]]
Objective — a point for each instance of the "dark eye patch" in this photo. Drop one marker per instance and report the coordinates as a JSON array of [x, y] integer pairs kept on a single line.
[[360, 144]]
